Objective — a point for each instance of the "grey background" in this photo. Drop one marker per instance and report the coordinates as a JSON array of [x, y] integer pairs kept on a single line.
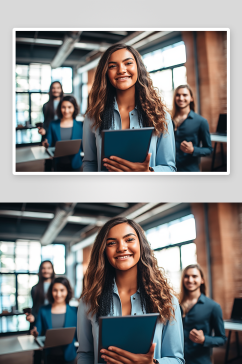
[[116, 14]]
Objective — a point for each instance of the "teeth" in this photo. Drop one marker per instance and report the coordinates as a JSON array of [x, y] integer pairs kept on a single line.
[[125, 256]]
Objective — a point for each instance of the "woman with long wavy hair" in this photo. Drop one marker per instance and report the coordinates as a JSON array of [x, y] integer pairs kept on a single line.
[[123, 278], [123, 97]]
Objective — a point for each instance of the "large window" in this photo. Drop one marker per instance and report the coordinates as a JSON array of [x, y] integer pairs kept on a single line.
[[32, 88], [167, 69], [174, 247], [19, 264]]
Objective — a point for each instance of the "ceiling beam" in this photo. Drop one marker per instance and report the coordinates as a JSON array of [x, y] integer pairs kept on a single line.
[[58, 223], [65, 49]]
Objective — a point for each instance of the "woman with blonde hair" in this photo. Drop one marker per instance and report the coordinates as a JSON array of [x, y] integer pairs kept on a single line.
[[123, 97], [200, 315], [123, 278]]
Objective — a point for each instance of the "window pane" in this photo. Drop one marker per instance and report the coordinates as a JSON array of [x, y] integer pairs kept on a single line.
[[7, 257], [22, 84], [179, 76], [56, 254], [22, 102], [169, 259], [188, 254], [36, 116], [6, 248], [184, 230], [163, 81], [64, 76], [45, 77], [165, 57], [22, 118], [7, 291], [175, 54], [59, 259], [7, 263], [158, 237], [22, 71], [22, 251], [25, 283], [174, 232], [34, 256]]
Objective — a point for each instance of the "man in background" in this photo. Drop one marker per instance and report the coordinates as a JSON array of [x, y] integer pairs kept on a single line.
[[200, 316], [191, 131]]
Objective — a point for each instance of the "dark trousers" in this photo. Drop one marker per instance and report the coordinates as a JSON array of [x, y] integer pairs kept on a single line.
[[37, 357]]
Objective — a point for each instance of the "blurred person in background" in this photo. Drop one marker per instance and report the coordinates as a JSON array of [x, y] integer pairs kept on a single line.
[[57, 314], [123, 97], [66, 128], [49, 111], [191, 130], [39, 297], [200, 315]]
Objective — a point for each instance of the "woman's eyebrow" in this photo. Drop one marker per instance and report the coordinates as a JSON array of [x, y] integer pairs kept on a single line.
[[125, 236], [124, 60]]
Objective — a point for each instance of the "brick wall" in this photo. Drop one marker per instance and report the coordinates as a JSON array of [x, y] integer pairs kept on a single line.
[[225, 234], [212, 68]]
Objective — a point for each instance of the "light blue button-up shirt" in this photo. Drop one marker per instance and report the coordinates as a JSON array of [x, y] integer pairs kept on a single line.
[[162, 147], [168, 338]]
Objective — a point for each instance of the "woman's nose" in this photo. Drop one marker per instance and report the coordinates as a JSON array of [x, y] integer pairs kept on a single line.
[[122, 246], [122, 69]]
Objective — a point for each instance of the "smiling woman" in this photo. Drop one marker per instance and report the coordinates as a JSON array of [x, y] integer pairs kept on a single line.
[[122, 279], [123, 97], [66, 128]]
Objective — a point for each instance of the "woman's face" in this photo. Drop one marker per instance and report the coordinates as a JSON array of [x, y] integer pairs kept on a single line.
[[122, 70], [56, 90], [183, 98], [192, 280], [46, 270], [67, 109], [59, 293], [122, 247]]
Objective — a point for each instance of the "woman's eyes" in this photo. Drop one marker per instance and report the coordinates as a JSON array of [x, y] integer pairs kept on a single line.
[[113, 65], [113, 242]]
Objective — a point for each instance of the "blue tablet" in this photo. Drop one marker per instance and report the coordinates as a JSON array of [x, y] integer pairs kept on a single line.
[[132, 333], [130, 144]]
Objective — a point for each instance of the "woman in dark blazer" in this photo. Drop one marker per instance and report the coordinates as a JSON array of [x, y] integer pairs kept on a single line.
[[66, 128], [58, 314]]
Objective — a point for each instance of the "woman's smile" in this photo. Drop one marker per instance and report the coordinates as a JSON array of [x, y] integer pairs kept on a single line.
[[124, 257]]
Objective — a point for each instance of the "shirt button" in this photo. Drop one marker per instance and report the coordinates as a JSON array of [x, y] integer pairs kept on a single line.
[[132, 114], [134, 313], [133, 128], [133, 298]]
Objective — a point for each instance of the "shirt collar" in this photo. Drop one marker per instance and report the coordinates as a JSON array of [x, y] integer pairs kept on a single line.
[[202, 298], [191, 114]]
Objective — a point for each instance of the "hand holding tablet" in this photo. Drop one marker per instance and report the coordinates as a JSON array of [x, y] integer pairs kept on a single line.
[[122, 355], [116, 164]]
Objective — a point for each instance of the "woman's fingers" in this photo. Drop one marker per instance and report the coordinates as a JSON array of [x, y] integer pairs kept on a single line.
[[114, 357], [116, 167]]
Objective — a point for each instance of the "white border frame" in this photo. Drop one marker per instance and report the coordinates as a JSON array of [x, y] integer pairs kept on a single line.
[[121, 173]]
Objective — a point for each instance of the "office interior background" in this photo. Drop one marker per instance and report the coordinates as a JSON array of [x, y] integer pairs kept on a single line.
[[172, 58], [179, 233]]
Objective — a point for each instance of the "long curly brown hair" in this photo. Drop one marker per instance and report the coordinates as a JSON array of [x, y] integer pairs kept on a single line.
[[151, 110], [155, 292]]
